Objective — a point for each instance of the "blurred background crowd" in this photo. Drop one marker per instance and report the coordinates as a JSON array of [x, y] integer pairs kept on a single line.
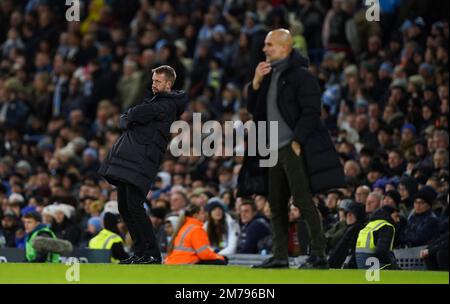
[[63, 86]]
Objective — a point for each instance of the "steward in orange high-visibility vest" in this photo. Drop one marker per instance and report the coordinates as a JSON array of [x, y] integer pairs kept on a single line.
[[190, 244]]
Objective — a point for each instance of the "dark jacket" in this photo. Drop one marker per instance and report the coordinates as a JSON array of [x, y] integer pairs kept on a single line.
[[441, 243], [334, 234], [420, 230], [67, 230], [345, 247], [299, 104], [136, 156], [251, 234], [383, 237]]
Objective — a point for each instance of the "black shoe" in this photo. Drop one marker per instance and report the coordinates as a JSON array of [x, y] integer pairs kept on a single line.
[[147, 260], [273, 263], [129, 260], [315, 262]]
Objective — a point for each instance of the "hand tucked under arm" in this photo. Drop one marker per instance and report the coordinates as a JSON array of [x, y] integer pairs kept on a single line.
[[147, 112]]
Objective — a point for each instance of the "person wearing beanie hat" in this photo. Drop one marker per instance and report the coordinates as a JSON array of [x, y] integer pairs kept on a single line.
[[355, 221], [64, 226], [214, 203], [392, 183], [108, 238], [387, 67], [23, 167], [422, 226], [426, 70], [376, 239], [376, 171], [399, 83], [337, 224], [392, 198], [409, 127], [407, 188], [223, 231], [94, 225], [416, 84], [426, 194]]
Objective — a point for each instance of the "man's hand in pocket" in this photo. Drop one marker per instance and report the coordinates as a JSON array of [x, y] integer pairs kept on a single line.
[[296, 148]]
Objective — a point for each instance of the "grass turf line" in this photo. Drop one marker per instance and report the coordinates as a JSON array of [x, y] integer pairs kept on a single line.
[[185, 274]]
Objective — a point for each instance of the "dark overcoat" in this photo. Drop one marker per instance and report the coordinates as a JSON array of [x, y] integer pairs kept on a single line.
[[137, 154], [299, 102]]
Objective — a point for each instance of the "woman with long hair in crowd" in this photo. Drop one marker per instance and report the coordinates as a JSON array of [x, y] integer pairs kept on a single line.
[[223, 230]]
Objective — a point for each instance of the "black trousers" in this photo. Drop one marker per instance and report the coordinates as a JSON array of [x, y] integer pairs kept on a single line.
[[438, 261], [130, 201], [288, 177]]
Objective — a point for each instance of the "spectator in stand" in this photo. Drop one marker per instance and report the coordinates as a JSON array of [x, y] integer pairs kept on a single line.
[[64, 226], [8, 230], [109, 238], [336, 232], [361, 194], [422, 225], [373, 203], [223, 231], [407, 188], [253, 228], [298, 234], [355, 218]]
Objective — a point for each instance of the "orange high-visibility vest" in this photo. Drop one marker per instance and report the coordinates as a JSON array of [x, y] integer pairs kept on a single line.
[[192, 245]]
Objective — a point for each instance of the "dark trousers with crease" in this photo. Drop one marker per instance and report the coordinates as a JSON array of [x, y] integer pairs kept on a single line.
[[130, 201], [289, 177]]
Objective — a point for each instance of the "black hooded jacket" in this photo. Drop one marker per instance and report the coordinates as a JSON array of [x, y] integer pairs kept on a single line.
[[136, 156]]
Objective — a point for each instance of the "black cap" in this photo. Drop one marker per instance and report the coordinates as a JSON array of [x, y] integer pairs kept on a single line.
[[427, 193], [110, 221], [395, 196], [377, 166], [158, 212], [358, 209], [421, 141], [388, 129], [368, 151]]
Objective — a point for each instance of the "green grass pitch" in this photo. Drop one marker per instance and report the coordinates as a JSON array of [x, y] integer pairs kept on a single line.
[[184, 274]]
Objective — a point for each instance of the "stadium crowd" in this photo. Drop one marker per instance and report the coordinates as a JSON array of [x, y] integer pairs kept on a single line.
[[63, 86]]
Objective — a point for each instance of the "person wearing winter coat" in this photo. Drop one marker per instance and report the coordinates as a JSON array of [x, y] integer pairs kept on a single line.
[[435, 255], [223, 231], [355, 219], [254, 228], [134, 160], [284, 90], [64, 226], [423, 225], [376, 240]]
